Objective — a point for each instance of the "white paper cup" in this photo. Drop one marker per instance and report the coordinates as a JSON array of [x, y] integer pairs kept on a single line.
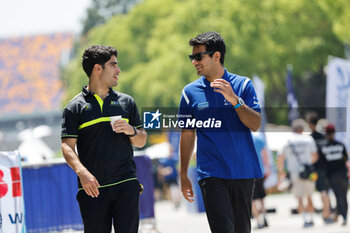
[[114, 119]]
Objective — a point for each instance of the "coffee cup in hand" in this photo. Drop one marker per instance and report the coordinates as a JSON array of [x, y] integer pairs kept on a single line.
[[114, 119]]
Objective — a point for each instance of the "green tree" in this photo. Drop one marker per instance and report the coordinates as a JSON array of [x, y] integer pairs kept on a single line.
[[262, 37], [102, 10], [338, 12]]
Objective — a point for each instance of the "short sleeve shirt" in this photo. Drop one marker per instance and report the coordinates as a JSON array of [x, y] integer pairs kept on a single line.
[[320, 140], [106, 154], [226, 151], [336, 156], [304, 146], [260, 144]]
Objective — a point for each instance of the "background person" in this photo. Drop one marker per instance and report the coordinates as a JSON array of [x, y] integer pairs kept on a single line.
[[108, 187], [168, 171], [322, 183], [258, 205], [300, 149], [336, 156], [227, 163]]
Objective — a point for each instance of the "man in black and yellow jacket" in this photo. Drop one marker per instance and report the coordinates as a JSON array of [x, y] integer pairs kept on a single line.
[[108, 187]]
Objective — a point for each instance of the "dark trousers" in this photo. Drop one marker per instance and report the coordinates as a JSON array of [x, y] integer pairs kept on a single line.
[[228, 204], [339, 185], [119, 203]]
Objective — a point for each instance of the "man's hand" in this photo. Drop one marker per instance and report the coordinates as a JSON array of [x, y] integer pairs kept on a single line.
[[186, 189], [121, 126], [87, 180], [89, 183], [224, 87], [248, 116]]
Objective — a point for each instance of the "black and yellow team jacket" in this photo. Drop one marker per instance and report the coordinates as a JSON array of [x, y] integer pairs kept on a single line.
[[106, 154]]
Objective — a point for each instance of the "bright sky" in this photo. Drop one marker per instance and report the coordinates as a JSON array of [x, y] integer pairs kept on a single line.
[[31, 17]]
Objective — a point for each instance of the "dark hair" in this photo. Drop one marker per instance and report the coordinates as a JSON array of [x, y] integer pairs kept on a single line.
[[312, 117], [97, 54], [212, 41]]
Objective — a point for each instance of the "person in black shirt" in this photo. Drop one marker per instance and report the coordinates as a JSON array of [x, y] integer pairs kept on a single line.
[[322, 183], [336, 156], [108, 188]]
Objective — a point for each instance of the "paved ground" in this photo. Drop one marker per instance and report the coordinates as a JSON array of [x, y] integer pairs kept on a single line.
[[182, 221], [169, 220]]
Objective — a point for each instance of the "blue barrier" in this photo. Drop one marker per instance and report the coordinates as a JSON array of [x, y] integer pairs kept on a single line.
[[144, 175], [49, 193], [49, 198]]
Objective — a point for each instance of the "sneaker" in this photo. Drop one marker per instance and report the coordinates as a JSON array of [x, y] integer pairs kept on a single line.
[[344, 223], [259, 226], [328, 220], [308, 224]]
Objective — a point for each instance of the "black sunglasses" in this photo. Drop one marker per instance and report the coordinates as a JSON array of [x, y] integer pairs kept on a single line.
[[199, 56]]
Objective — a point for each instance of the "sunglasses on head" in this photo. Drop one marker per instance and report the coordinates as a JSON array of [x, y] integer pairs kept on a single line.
[[199, 56]]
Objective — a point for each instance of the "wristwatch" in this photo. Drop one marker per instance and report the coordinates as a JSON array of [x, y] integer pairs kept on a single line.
[[135, 132], [240, 103]]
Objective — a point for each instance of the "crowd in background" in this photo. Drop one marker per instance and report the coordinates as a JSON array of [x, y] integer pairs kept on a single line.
[[30, 72], [326, 157]]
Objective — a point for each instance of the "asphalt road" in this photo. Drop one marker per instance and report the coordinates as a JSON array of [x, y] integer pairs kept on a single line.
[[186, 220], [169, 220]]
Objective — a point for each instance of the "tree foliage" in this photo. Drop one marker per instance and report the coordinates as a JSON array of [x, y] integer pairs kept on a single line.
[[262, 37], [338, 12], [102, 10]]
